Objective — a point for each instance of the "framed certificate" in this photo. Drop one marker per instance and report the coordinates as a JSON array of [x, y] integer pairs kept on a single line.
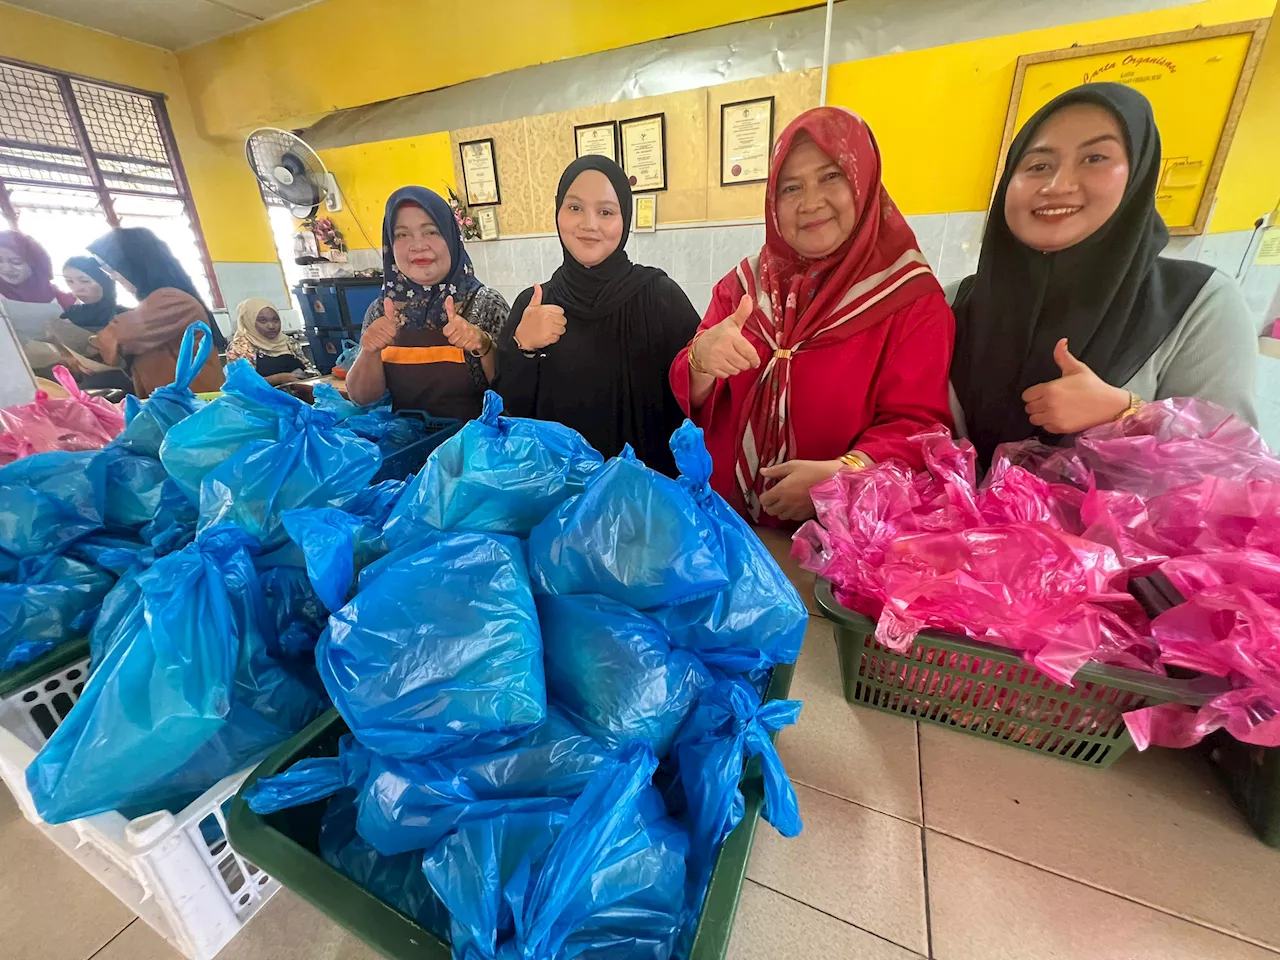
[[480, 173], [487, 220], [598, 139], [644, 213], [644, 152], [746, 139]]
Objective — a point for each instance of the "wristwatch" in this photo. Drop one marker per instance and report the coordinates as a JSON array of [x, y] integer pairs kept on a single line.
[[527, 354]]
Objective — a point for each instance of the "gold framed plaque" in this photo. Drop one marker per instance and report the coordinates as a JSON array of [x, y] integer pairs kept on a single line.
[[480, 173], [644, 152]]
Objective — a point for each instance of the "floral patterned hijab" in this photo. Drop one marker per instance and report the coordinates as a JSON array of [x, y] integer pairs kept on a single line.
[[424, 306]]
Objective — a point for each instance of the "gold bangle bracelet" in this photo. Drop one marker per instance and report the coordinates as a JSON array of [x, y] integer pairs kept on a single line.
[[1135, 404], [854, 461], [694, 365]]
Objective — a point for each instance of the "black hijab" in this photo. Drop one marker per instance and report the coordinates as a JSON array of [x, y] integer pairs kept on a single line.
[[1111, 295], [93, 316], [146, 261], [588, 293]]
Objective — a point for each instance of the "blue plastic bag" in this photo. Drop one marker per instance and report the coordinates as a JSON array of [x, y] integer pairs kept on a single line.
[[608, 875], [185, 694], [729, 725], [497, 475], [614, 672], [376, 421], [52, 600], [633, 535], [350, 351], [338, 544], [397, 881], [298, 615], [440, 652], [256, 452], [47, 500], [147, 422], [140, 498], [758, 619], [406, 805]]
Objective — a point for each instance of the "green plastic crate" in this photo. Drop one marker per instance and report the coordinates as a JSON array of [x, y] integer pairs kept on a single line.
[[993, 693], [57, 658], [284, 845]]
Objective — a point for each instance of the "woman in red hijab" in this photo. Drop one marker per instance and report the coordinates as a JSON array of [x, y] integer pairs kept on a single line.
[[831, 347]]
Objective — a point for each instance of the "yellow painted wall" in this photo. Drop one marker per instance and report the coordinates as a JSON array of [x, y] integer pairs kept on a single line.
[[283, 73], [938, 114], [231, 212], [1250, 184]]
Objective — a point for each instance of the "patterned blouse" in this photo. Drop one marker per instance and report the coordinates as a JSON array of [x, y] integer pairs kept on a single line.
[[241, 347], [487, 309]]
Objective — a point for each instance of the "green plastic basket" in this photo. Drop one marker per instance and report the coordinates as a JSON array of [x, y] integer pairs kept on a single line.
[[60, 656], [993, 693], [284, 845]]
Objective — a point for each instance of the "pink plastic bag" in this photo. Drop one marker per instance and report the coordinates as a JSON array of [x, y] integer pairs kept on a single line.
[[76, 422], [1224, 631]]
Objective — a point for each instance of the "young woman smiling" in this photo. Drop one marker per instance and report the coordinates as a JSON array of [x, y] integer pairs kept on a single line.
[[430, 338], [830, 348], [1073, 317], [590, 347]]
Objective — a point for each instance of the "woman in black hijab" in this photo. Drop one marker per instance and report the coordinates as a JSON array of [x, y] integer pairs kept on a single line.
[[95, 294], [591, 347], [1073, 317]]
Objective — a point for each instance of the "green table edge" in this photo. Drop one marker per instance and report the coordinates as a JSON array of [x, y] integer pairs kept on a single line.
[[395, 935]]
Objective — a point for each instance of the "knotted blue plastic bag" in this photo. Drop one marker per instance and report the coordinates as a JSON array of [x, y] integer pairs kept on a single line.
[[375, 421], [339, 543], [729, 725], [497, 474], [439, 652], [406, 805], [633, 535], [185, 694], [298, 615], [147, 422], [397, 881], [614, 672], [758, 619], [47, 500], [51, 600], [608, 876]]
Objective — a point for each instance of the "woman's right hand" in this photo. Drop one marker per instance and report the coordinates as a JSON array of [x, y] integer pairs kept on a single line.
[[382, 332], [723, 350], [541, 324]]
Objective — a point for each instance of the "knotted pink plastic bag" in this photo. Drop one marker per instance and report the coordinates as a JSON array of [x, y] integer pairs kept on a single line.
[[76, 422]]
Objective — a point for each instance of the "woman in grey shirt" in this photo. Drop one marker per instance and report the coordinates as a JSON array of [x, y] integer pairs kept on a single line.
[[1073, 318]]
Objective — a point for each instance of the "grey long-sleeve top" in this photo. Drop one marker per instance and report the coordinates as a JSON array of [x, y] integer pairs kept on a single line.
[[1211, 354]]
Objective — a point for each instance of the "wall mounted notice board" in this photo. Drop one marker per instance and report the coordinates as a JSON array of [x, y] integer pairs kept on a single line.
[[1196, 81]]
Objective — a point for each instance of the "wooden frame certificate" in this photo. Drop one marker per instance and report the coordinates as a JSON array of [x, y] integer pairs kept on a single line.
[[644, 152], [746, 139], [596, 139], [480, 173]]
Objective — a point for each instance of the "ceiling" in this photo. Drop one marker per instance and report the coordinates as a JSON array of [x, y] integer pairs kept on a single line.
[[170, 24]]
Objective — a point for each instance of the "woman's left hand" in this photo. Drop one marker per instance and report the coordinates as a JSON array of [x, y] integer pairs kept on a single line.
[[1077, 400], [463, 335], [788, 498]]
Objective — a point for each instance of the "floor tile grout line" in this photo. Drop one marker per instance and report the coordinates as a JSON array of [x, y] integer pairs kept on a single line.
[[856, 803], [871, 933], [1204, 925], [114, 937], [924, 850]]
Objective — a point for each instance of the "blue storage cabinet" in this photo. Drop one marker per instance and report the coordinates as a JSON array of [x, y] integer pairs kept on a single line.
[[334, 311]]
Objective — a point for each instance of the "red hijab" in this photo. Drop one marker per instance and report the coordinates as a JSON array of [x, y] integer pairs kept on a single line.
[[801, 304], [37, 288]]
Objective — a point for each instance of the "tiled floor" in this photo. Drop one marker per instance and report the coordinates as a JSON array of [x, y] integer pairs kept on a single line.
[[918, 842]]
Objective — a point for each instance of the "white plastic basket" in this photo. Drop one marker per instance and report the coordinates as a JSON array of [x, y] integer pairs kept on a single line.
[[176, 871]]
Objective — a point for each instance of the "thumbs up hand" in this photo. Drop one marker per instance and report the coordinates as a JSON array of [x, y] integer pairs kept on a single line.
[[1077, 400], [463, 335], [541, 324], [723, 350]]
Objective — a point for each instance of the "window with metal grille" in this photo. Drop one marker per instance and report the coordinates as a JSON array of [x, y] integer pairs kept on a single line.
[[78, 157]]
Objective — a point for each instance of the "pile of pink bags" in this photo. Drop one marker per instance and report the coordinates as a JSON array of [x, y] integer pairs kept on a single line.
[[76, 422], [1039, 558]]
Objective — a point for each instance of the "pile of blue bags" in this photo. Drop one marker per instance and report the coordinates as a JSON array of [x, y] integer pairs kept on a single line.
[[551, 668]]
